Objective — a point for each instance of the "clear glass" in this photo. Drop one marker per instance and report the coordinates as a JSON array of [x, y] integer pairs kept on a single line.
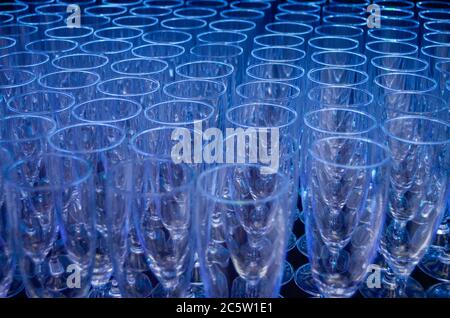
[[119, 112], [301, 17], [279, 72], [132, 35], [53, 104], [422, 143], [7, 257], [348, 19], [221, 237], [223, 37], [285, 40], [394, 82], [157, 12], [15, 82], [142, 90], [174, 37], [278, 54], [106, 147], [81, 84], [391, 34], [338, 76], [115, 50], [333, 9], [155, 69], [134, 21], [160, 195], [290, 28], [80, 35], [21, 33], [49, 252], [397, 64], [434, 54], [106, 10], [342, 30], [37, 63], [172, 4], [378, 48], [342, 228], [52, 47], [83, 62], [344, 59]]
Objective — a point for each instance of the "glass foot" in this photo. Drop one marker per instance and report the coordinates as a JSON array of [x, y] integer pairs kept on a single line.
[[432, 265], [441, 290], [304, 280], [291, 242], [382, 289], [109, 290], [301, 245], [288, 273], [139, 286]]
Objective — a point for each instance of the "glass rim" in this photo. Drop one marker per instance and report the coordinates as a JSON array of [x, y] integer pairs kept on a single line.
[[309, 28], [164, 68], [82, 2], [359, 31], [179, 3], [424, 50], [281, 79], [427, 36], [315, 17], [84, 45], [35, 1], [258, 14], [365, 92], [42, 135], [109, 6], [89, 30], [155, 85], [386, 160], [308, 124], [439, 65], [212, 12], [257, 38], [221, 93], [399, 30], [273, 196], [321, 53], [235, 3], [413, 142], [168, 11], [422, 77], [30, 44], [97, 79], [105, 18], [294, 88], [410, 14], [39, 9], [413, 23], [187, 186], [326, 19], [242, 35], [150, 24], [49, 112], [44, 56], [179, 101], [364, 80], [374, 62], [8, 46], [336, 38], [251, 25], [281, 6], [37, 158], [223, 3], [139, 151], [429, 96], [229, 67], [178, 47], [202, 24], [22, 7], [302, 53], [408, 4], [422, 14], [414, 48], [135, 114], [234, 46], [62, 57], [263, 104], [32, 77], [20, 18], [125, 3], [327, 11], [32, 29], [420, 5], [91, 151], [139, 33], [188, 37], [430, 25], [9, 18]]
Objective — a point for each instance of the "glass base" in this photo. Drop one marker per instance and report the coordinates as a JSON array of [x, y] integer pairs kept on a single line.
[[304, 280], [139, 286], [301, 245], [196, 290], [301, 216], [288, 273], [291, 242], [432, 265], [413, 289], [441, 290], [109, 290]]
